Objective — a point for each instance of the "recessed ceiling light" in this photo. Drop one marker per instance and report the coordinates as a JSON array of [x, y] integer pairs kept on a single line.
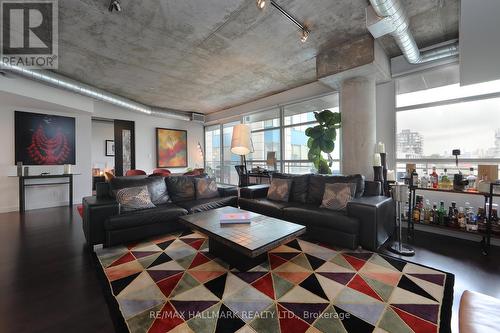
[[304, 35], [261, 4]]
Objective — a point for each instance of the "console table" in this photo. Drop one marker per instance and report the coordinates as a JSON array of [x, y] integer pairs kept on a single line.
[[23, 185]]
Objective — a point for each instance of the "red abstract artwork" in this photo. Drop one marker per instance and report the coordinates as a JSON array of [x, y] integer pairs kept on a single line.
[[44, 139]]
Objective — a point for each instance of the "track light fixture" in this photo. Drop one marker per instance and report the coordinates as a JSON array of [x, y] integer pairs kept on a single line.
[[305, 32], [304, 35], [115, 5], [261, 4]]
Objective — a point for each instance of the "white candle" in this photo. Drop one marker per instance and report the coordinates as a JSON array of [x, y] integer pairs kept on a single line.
[[377, 160], [380, 148], [391, 176]]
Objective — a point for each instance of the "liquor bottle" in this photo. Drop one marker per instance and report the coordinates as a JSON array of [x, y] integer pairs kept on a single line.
[[414, 178], [424, 181], [445, 182], [434, 178], [441, 213], [433, 218], [427, 212], [471, 179], [462, 220], [454, 215]]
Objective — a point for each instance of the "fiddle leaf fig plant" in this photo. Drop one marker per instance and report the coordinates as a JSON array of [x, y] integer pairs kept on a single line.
[[322, 140]]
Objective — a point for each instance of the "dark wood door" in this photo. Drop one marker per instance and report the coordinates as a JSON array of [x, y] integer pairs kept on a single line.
[[124, 146]]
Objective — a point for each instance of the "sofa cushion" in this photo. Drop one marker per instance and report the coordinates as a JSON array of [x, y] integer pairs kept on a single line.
[[180, 188], [156, 187], [196, 206], [300, 186], [134, 198], [312, 216], [279, 190], [264, 206], [337, 195], [317, 186], [162, 214], [206, 188]]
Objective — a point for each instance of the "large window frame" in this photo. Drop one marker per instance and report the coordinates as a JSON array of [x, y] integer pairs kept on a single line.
[[449, 163], [283, 164]]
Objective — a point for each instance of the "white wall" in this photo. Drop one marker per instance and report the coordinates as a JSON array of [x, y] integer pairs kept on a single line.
[[102, 131], [18, 94], [386, 120]]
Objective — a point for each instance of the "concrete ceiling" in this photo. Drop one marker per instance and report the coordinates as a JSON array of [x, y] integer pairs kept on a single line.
[[209, 55]]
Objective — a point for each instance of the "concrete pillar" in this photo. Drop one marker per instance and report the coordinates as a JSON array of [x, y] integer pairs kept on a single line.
[[359, 125]]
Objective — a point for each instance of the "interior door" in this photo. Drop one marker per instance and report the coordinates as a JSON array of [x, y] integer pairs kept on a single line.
[[124, 146]]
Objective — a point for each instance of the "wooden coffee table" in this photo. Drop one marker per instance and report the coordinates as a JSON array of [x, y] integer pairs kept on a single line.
[[242, 245]]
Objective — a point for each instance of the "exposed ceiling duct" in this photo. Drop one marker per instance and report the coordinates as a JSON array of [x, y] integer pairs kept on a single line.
[[389, 17], [66, 83]]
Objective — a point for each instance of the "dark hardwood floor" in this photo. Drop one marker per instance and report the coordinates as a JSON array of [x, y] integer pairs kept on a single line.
[[49, 281]]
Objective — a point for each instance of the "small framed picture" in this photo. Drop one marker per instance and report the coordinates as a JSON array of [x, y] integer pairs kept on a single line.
[[110, 148]]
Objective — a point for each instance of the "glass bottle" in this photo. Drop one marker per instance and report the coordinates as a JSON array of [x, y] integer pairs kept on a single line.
[[414, 178], [433, 214], [471, 180], [441, 213], [445, 180], [424, 181], [434, 178], [427, 212], [461, 218]]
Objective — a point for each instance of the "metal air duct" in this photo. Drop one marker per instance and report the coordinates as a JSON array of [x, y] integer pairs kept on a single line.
[[65, 83], [389, 17]]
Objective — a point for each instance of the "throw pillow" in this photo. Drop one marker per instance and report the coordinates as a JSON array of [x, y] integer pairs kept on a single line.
[[337, 195], [206, 188], [134, 198], [279, 190]]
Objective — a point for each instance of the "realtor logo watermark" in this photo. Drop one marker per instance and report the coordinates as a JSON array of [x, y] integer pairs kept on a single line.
[[29, 33]]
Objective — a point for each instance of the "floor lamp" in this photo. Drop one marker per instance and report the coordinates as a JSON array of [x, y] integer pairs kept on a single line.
[[400, 194]]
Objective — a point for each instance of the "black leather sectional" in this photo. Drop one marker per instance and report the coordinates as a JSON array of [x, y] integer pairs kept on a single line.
[[368, 220], [174, 196]]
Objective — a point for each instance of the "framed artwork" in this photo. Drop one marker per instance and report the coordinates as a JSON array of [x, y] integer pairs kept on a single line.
[[110, 148], [42, 139], [171, 148]]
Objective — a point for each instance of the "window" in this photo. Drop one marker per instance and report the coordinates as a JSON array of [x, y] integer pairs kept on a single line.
[[230, 160], [280, 130], [213, 152], [297, 118], [432, 122]]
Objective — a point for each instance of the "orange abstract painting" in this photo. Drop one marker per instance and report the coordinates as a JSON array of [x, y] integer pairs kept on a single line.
[[171, 148]]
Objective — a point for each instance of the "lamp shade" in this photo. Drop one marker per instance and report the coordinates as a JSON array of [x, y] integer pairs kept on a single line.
[[241, 143]]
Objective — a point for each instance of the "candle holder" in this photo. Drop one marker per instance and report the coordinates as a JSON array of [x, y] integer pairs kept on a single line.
[[378, 174], [385, 183]]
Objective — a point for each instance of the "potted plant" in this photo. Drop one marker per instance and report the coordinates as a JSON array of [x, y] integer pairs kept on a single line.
[[322, 140]]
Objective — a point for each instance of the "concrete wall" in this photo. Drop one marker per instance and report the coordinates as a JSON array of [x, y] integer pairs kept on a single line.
[[25, 95], [102, 131]]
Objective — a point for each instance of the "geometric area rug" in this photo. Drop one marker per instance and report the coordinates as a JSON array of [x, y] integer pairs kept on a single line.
[[173, 284]]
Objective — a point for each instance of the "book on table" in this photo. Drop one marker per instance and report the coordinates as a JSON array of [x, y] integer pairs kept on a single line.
[[236, 218]]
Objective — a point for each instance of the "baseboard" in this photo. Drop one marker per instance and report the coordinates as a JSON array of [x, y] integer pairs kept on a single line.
[[9, 209]]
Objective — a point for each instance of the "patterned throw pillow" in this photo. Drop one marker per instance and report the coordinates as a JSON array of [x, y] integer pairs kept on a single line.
[[279, 190], [206, 188], [134, 198], [337, 195]]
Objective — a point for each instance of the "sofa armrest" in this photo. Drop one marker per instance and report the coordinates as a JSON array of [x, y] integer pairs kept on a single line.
[[254, 191], [95, 212], [376, 217], [227, 191], [372, 188]]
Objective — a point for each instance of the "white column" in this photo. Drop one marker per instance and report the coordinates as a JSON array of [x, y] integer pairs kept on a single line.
[[358, 108]]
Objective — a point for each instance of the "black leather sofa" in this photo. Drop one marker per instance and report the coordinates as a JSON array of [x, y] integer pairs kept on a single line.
[[174, 196], [368, 220]]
